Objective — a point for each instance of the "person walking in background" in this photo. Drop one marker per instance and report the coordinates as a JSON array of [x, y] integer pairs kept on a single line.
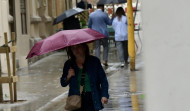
[[85, 70], [98, 21], [121, 35], [71, 23]]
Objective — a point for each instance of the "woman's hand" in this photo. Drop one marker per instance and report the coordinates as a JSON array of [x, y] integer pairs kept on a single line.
[[71, 73], [104, 100]]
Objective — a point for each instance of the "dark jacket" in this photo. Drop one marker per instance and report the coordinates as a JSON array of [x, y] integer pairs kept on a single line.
[[71, 23], [97, 77]]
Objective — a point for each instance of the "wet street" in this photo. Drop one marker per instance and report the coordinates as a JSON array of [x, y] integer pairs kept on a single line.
[[39, 88]]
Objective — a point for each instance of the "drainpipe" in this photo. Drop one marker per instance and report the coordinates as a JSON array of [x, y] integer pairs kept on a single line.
[[1, 90], [76, 2], [14, 20], [131, 41]]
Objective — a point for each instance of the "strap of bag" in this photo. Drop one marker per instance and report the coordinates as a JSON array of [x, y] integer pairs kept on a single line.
[[82, 81]]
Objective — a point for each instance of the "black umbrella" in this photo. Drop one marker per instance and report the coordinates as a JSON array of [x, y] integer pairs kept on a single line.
[[67, 14], [102, 2], [82, 5]]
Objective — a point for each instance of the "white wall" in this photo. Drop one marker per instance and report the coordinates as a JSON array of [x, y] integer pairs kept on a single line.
[[22, 39], [4, 27], [166, 35]]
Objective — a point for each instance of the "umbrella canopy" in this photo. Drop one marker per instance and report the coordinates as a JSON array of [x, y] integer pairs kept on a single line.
[[67, 14], [64, 39], [102, 2], [83, 5]]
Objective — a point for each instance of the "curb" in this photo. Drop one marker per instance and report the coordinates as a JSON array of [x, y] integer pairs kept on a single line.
[[56, 102]]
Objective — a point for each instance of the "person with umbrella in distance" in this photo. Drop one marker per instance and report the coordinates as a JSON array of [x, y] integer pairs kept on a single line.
[[68, 18], [85, 70], [121, 35], [71, 23], [98, 21]]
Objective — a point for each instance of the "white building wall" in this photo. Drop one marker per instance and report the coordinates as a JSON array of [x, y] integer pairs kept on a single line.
[[167, 54], [22, 39], [4, 27]]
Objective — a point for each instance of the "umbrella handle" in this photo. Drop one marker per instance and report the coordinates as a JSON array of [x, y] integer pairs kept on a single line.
[[67, 52]]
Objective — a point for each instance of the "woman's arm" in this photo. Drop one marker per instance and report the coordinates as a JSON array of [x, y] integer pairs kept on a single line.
[[126, 21], [90, 22], [103, 80], [114, 24], [64, 80]]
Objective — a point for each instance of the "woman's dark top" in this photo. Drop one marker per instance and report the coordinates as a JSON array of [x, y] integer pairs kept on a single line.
[[97, 77]]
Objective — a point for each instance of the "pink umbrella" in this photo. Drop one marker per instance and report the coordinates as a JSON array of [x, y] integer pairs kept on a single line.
[[64, 39]]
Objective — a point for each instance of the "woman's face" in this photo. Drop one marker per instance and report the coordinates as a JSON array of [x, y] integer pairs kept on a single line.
[[78, 50]]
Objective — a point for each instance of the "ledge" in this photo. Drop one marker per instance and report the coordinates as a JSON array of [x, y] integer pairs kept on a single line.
[[48, 18], [35, 19], [10, 18]]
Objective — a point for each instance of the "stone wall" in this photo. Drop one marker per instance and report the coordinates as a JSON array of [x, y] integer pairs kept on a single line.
[[34, 19]]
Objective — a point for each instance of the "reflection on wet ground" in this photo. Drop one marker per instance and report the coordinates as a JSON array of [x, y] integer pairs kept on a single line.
[[119, 92]]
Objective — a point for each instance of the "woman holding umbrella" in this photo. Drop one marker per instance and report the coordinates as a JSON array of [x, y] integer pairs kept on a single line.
[[85, 70]]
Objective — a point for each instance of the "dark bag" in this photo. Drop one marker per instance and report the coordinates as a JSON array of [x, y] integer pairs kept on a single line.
[[74, 102]]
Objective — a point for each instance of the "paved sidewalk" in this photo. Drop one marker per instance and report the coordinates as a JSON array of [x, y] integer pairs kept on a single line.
[[120, 83], [120, 95], [39, 86]]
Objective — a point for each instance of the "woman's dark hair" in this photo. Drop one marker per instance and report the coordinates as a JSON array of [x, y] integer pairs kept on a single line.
[[71, 55], [119, 12], [100, 6]]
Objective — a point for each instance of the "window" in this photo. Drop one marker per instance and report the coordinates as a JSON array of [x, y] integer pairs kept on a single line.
[[11, 12], [23, 16]]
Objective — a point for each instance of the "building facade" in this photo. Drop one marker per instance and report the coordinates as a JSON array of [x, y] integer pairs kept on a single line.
[[31, 20]]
